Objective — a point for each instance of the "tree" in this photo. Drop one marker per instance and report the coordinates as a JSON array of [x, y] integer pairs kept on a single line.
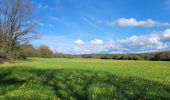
[[164, 56], [29, 51], [16, 24], [44, 51]]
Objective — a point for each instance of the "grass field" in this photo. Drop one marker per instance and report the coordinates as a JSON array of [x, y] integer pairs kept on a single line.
[[89, 79]]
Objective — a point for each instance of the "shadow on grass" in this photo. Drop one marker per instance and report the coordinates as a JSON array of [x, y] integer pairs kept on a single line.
[[6, 80], [88, 85], [11, 81], [7, 83]]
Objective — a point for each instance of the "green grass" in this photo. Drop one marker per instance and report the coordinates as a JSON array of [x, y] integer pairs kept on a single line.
[[93, 79]]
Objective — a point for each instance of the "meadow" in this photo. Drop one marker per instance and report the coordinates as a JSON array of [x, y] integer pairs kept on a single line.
[[84, 79]]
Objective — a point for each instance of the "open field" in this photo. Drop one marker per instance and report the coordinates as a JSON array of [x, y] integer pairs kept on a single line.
[[94, 79]]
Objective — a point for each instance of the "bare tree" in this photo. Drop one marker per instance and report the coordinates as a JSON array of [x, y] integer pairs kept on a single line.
[[16, 23]]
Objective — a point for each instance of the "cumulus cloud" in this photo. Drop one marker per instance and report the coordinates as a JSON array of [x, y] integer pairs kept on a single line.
[[166, 34], [141, 43], [152, 42], [78, 42], [135, 44], [135, 23], [97, 41]]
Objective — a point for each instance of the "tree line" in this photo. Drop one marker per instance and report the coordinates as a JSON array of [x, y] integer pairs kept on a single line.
[[157, 56], [44, 51]]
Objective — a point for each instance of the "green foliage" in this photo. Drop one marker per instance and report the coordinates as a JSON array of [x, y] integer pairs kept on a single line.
[[62, 55], [3, 56], [84, 79], [29, 51], [14, 27], [160, 56], [44, 51]]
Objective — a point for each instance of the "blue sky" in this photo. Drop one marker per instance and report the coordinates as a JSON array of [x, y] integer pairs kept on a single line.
[[103, 26]]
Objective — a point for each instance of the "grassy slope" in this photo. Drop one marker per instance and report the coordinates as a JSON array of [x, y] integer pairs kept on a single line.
[[85, 79]]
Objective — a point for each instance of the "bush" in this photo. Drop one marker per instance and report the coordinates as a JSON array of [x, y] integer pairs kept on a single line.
[[23, 56]]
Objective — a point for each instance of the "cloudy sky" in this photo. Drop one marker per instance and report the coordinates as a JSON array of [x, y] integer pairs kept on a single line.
[[103, 26]]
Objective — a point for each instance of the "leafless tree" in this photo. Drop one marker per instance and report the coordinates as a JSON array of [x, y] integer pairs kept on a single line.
[[16, 23]]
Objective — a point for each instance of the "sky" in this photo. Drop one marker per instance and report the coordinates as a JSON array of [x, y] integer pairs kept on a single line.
[[103, 26]]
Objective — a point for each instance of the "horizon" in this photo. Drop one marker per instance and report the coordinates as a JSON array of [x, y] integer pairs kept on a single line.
[[103, 27]]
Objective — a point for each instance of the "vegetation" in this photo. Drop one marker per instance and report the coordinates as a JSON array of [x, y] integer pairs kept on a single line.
[[83, 79], [16, 27], [159, 56], [162, 56], [44, 51], [54, 78], [75, 79], [29, 51]]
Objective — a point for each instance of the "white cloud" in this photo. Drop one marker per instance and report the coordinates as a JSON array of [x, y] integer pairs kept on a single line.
[[145, 23], [135, 44], [97, 41], [78, 42], [155, 40], [132, 22], [51, 47], [166, 34], [151, 42], [135, 23]]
